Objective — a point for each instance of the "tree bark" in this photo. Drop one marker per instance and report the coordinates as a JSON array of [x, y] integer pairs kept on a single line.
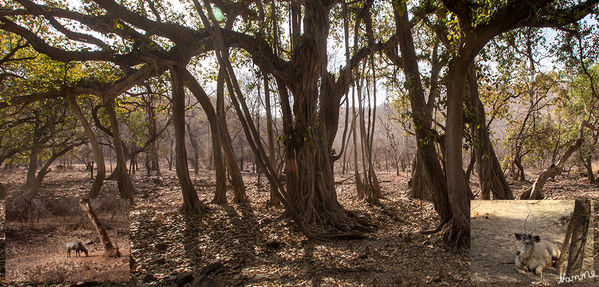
[[191, 203], [420, 181], [152, 154], [109, 249], [580, 220]]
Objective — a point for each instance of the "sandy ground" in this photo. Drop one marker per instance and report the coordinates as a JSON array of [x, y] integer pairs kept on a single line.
[[493, 246], [36, 251]]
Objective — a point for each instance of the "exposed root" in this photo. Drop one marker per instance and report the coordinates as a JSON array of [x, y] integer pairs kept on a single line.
[[434, 230]]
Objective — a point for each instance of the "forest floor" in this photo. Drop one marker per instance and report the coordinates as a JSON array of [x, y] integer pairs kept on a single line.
[[255, 245]]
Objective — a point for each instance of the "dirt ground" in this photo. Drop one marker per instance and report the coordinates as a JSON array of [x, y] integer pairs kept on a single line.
[[36, 251], [493, 246], [257, 245]]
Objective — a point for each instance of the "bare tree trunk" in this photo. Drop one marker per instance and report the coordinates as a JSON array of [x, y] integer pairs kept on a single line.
[[457, 189], [588, 163], [109, 249], [518, 163], [580, 220], [357, 178], [46, 168], [97, 150], [369, 190], [126, 188], [191, 203]]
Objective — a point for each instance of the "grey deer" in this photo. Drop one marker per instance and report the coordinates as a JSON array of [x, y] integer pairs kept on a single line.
[[535, 255], [77, 246]]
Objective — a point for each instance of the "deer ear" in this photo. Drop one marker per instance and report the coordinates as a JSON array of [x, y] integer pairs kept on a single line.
[[537, 238], [518, 236]]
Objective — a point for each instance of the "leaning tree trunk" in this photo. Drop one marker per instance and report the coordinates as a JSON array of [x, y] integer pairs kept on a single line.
[[109, 249], [580, 227], [235, 178], [46, 168], [490, 174], [98, 155], [126, 188], [191, 203], [536, 191]]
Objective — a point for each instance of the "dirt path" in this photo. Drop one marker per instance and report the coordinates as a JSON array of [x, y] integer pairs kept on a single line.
[[36, 268], [494, 245]]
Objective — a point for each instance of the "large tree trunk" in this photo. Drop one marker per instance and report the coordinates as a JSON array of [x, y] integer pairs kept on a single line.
[[309, 166], [97, 150], [459, 233], [191, 203], [126, 188], [109, 249], [490, 174], [310, 198]]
